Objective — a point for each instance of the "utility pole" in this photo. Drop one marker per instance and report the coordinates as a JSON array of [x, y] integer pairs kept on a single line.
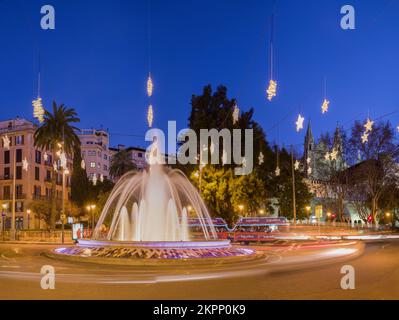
[[293, 184]]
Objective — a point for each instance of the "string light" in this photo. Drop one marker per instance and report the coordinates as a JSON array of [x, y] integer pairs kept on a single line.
[[63, 159], [299, 123], [150, 116], [325, 105], [38, 110], [271, 90], [6, 142]]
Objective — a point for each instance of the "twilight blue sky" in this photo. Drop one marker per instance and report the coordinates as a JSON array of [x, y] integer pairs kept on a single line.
[[97, 60]]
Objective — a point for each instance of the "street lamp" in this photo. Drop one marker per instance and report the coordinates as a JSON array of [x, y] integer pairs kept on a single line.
[[388, 215], [241, 208], [90, 208]]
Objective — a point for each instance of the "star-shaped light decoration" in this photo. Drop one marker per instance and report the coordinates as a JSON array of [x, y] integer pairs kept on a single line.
[[309, 171], [55, 166], [38, 110], [277, 172], [150, 116], [261, 158], [299, 123], [94, 179], [365, 137], [25, 164], [6, 142], [150, 86], [101, 178], [236, 114], [334, 154], [272, 90], [296, 165], [327, 157], [325, 105], [45, 156], [369, 125], [83, 164], [63, 159]]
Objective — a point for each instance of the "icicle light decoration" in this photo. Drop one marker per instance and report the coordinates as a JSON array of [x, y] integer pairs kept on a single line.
[[150, 86], [272, 90], [150, 116], [38, 110], [236, 114], [324, 107]]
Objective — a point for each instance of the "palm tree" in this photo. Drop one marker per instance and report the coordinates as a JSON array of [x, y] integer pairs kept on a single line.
[[121, 163], [57, 129]]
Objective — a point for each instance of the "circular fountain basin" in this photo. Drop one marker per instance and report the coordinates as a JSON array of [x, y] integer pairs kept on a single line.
[[148, 252]]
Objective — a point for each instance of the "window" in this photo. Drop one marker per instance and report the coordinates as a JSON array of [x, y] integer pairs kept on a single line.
[[105, 157], [92, 164], [37, 173], [105, 168], [48, 175], [6, 192], [19, 172], [19, 206], [140, 155], [91, 153], [7, 173], [38, 157], [18, 190], [19, 140], [19, 155], [7, 156], [37, 190]]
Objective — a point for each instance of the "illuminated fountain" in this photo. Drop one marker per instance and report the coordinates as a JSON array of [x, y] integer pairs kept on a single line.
[[146, 216]]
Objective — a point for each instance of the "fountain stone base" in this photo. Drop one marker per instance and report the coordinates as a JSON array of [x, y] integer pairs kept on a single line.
[[154, 250]]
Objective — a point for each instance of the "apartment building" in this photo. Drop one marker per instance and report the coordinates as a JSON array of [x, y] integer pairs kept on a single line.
[[137, 155], [33, 174], [95, 152]]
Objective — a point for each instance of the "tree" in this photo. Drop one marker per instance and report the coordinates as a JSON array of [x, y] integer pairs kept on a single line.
[[121, 163], [56, 130], [79, 181], [376, 161]]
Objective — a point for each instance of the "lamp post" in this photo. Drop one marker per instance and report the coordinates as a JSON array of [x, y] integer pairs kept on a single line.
[[90, 208], [388, 215], [65, 172]]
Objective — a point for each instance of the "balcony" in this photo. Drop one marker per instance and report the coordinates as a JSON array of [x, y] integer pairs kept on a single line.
[[20, 196], [6, 177]]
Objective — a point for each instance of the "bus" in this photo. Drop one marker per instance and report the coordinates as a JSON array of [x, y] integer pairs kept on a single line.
[[221, 227], [259, 229]]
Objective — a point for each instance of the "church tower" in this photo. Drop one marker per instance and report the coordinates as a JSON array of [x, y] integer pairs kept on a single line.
[[308, 150]]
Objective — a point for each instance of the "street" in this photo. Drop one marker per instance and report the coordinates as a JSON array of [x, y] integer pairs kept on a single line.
[[377, 277]]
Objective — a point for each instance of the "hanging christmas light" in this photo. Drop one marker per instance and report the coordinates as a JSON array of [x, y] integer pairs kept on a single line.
[[25, 164], [324, 107], [101, 178], [38, 110], [45, 156], [150, 86], [296, 165], [6, 142], [83, 164], [369, 125], [277, 172], [271, 90], [299, 123], [327, 157], [334, 154], [236, 114], [261, 158], [55, 166], [244, 162], [365, 137], [150, 116], [94, 179], [309, 171], [308, 160], [224, 157]]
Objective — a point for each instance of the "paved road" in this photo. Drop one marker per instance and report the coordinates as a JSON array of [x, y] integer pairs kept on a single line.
[[377, 277]]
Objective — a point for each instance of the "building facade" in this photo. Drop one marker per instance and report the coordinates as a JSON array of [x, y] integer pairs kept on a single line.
[[33, 169]]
